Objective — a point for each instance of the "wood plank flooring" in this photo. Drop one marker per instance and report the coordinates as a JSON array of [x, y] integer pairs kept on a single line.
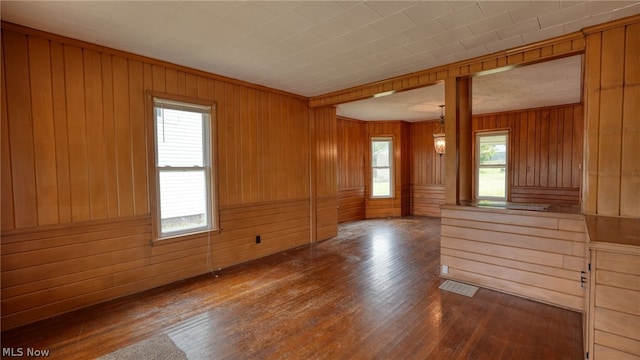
[[370, 293]]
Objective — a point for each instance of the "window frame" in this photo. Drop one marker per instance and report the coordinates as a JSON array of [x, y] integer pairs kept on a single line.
[[210, 167], [391, 167], [478, 166]]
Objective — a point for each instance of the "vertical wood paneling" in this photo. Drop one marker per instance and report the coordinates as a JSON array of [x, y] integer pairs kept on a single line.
[[578, 146], [326, 169], [553, 149], [16, 61], [77, 126], [427, 167], [611, 81], [95, 134], [111, 162], [630, 177], [543, 169], [75, 162], [546, 150], [171, 81], [123, 136], [351, 147], [159, 79], [6, 183], [592, 120], [138, 138], [61, 131], [43, 136], [405, 178]]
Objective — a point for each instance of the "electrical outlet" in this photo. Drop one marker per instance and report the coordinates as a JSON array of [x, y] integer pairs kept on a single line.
[[445, 269], [258, 239]]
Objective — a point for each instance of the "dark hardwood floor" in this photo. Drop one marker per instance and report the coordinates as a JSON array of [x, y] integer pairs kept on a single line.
[[370, 293]]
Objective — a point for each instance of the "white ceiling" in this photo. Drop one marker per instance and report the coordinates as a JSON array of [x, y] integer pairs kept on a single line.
[[550, 83], [314, 47]]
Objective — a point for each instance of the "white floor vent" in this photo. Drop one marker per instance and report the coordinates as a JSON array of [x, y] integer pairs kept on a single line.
[[459, 288]]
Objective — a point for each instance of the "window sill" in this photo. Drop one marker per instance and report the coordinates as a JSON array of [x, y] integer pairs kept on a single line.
[[184, 237]]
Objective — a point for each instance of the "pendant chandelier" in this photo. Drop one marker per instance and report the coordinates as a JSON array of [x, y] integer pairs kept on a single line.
[[438, 137]]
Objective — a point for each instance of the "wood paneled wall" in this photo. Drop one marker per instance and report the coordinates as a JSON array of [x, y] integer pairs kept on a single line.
[[537, 255], [612, 90], [326, 172], [399, 205], [427, 170], [352, 146], [546, 151], [75, 196], [615, 305]]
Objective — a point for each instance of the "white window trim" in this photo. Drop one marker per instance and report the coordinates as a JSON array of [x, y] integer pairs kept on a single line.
[[391, 167], [209, 161], [478, 166]]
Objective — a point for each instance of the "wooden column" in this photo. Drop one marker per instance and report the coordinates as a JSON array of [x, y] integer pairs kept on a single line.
[[325, 202], [459, 165]]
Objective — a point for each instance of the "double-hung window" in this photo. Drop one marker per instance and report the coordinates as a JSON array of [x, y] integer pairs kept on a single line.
[[183, 162], [381, 167], [491, 165]]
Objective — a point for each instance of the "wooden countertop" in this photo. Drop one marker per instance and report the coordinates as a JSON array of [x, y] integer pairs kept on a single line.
[[613, 233], [545, 210]]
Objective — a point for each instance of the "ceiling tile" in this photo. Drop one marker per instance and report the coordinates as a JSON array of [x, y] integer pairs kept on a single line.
[[393, 24], [426, 11], [513, 42], [563, 16], [292, 22], [460, 4], [386, 8], [471, 53], [491, 23], [395, 40], [368, 49], [270, 34], [318, 11], [454, 35], [543, 34], [491, 7], [249, 16], [480, 40], [467, 15], [534, 9], [627, 11], [305, 39], [276, 7], [363, 35], [447, 49], [427, 30], [395, 54], [599, 7], [585, 22], [519, 28], [422, 46], [358, 16], [330, 29]]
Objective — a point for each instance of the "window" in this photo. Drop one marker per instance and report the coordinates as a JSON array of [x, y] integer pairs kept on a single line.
[[382, 167], [184, 202], [491, 165]]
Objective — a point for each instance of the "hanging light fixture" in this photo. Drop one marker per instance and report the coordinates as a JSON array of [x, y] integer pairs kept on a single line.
[[438, 138]]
